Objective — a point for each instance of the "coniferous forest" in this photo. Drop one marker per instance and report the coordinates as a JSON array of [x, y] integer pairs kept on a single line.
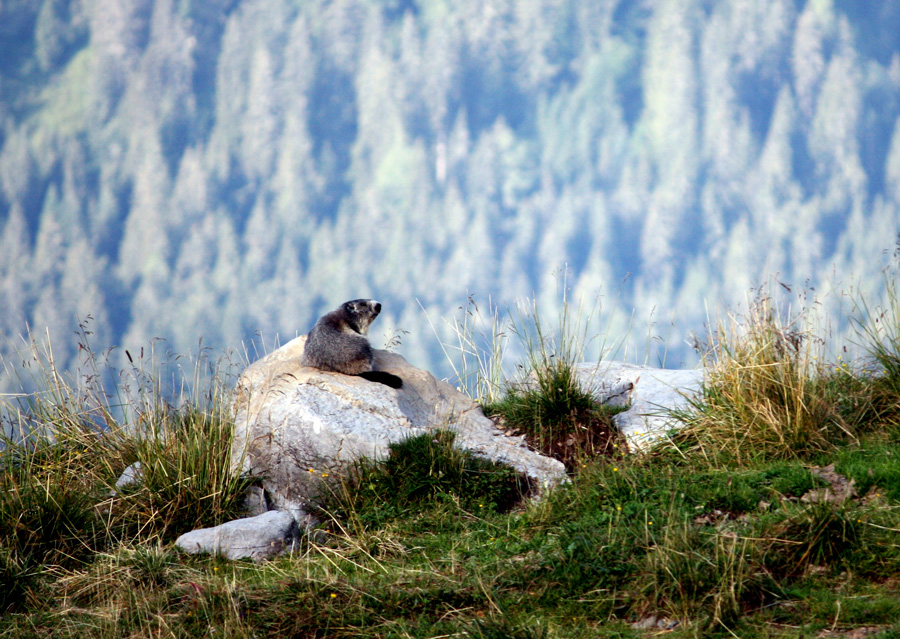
[[228, 169]]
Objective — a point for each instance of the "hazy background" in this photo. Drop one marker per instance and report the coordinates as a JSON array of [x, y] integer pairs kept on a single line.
[[225, 169]]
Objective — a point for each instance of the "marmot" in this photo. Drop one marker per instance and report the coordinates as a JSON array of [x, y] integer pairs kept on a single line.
[[338, 343]]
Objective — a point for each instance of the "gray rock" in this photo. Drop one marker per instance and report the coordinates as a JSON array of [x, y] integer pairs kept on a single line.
[[131, 475], [650, 392], [255, 501], [839, 489], [297, 426], [260, 537], [655, 623]]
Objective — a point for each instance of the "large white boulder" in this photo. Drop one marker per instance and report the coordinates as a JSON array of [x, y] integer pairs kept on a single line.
[[295, 426]]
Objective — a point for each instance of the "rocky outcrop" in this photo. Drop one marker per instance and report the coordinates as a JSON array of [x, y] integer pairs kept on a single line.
[[297, 426], [648, 393]]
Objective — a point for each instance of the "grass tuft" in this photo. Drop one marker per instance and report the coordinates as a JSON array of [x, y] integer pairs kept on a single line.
[[817, 535], [64, 446], [551, 404], [767, 394], [879, 329], [477, 359], [709, 577], [17, 574], [419, 472], [186, 479], [504, 628]]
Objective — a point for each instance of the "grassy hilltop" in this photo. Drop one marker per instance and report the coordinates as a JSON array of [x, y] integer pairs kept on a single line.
[[773, 512]]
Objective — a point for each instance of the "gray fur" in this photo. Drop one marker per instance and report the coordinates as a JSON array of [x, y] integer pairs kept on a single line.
[[338, 341]]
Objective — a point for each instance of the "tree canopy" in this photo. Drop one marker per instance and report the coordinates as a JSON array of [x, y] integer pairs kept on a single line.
[[220, 169]]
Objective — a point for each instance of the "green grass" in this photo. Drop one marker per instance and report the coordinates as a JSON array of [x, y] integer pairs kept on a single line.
[[66, 445], [186, 479], [418, 473], [621, 542], [719, 534]]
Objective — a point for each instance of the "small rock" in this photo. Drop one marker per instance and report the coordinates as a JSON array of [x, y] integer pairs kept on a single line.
[[715, 517], [839, 489], [856, 633], [645, 624], [655, 623], [131, 475], [257, 538]]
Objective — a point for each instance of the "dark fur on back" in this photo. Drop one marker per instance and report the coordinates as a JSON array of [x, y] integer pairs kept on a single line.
[[338, 342]]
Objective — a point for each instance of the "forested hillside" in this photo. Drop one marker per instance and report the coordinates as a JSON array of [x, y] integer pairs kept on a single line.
[[227, 168]]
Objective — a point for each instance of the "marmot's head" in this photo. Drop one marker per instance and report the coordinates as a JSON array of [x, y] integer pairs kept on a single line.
[[361, 313]]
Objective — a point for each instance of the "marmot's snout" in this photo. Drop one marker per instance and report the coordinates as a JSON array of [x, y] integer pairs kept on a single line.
[[377, 307]]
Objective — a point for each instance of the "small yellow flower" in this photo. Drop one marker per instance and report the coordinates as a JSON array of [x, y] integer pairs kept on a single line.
[[615, 469], [333, 595], [324, 474], [311, 470]]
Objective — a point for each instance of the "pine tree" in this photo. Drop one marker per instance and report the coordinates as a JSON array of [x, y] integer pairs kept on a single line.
[[15, 267]]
